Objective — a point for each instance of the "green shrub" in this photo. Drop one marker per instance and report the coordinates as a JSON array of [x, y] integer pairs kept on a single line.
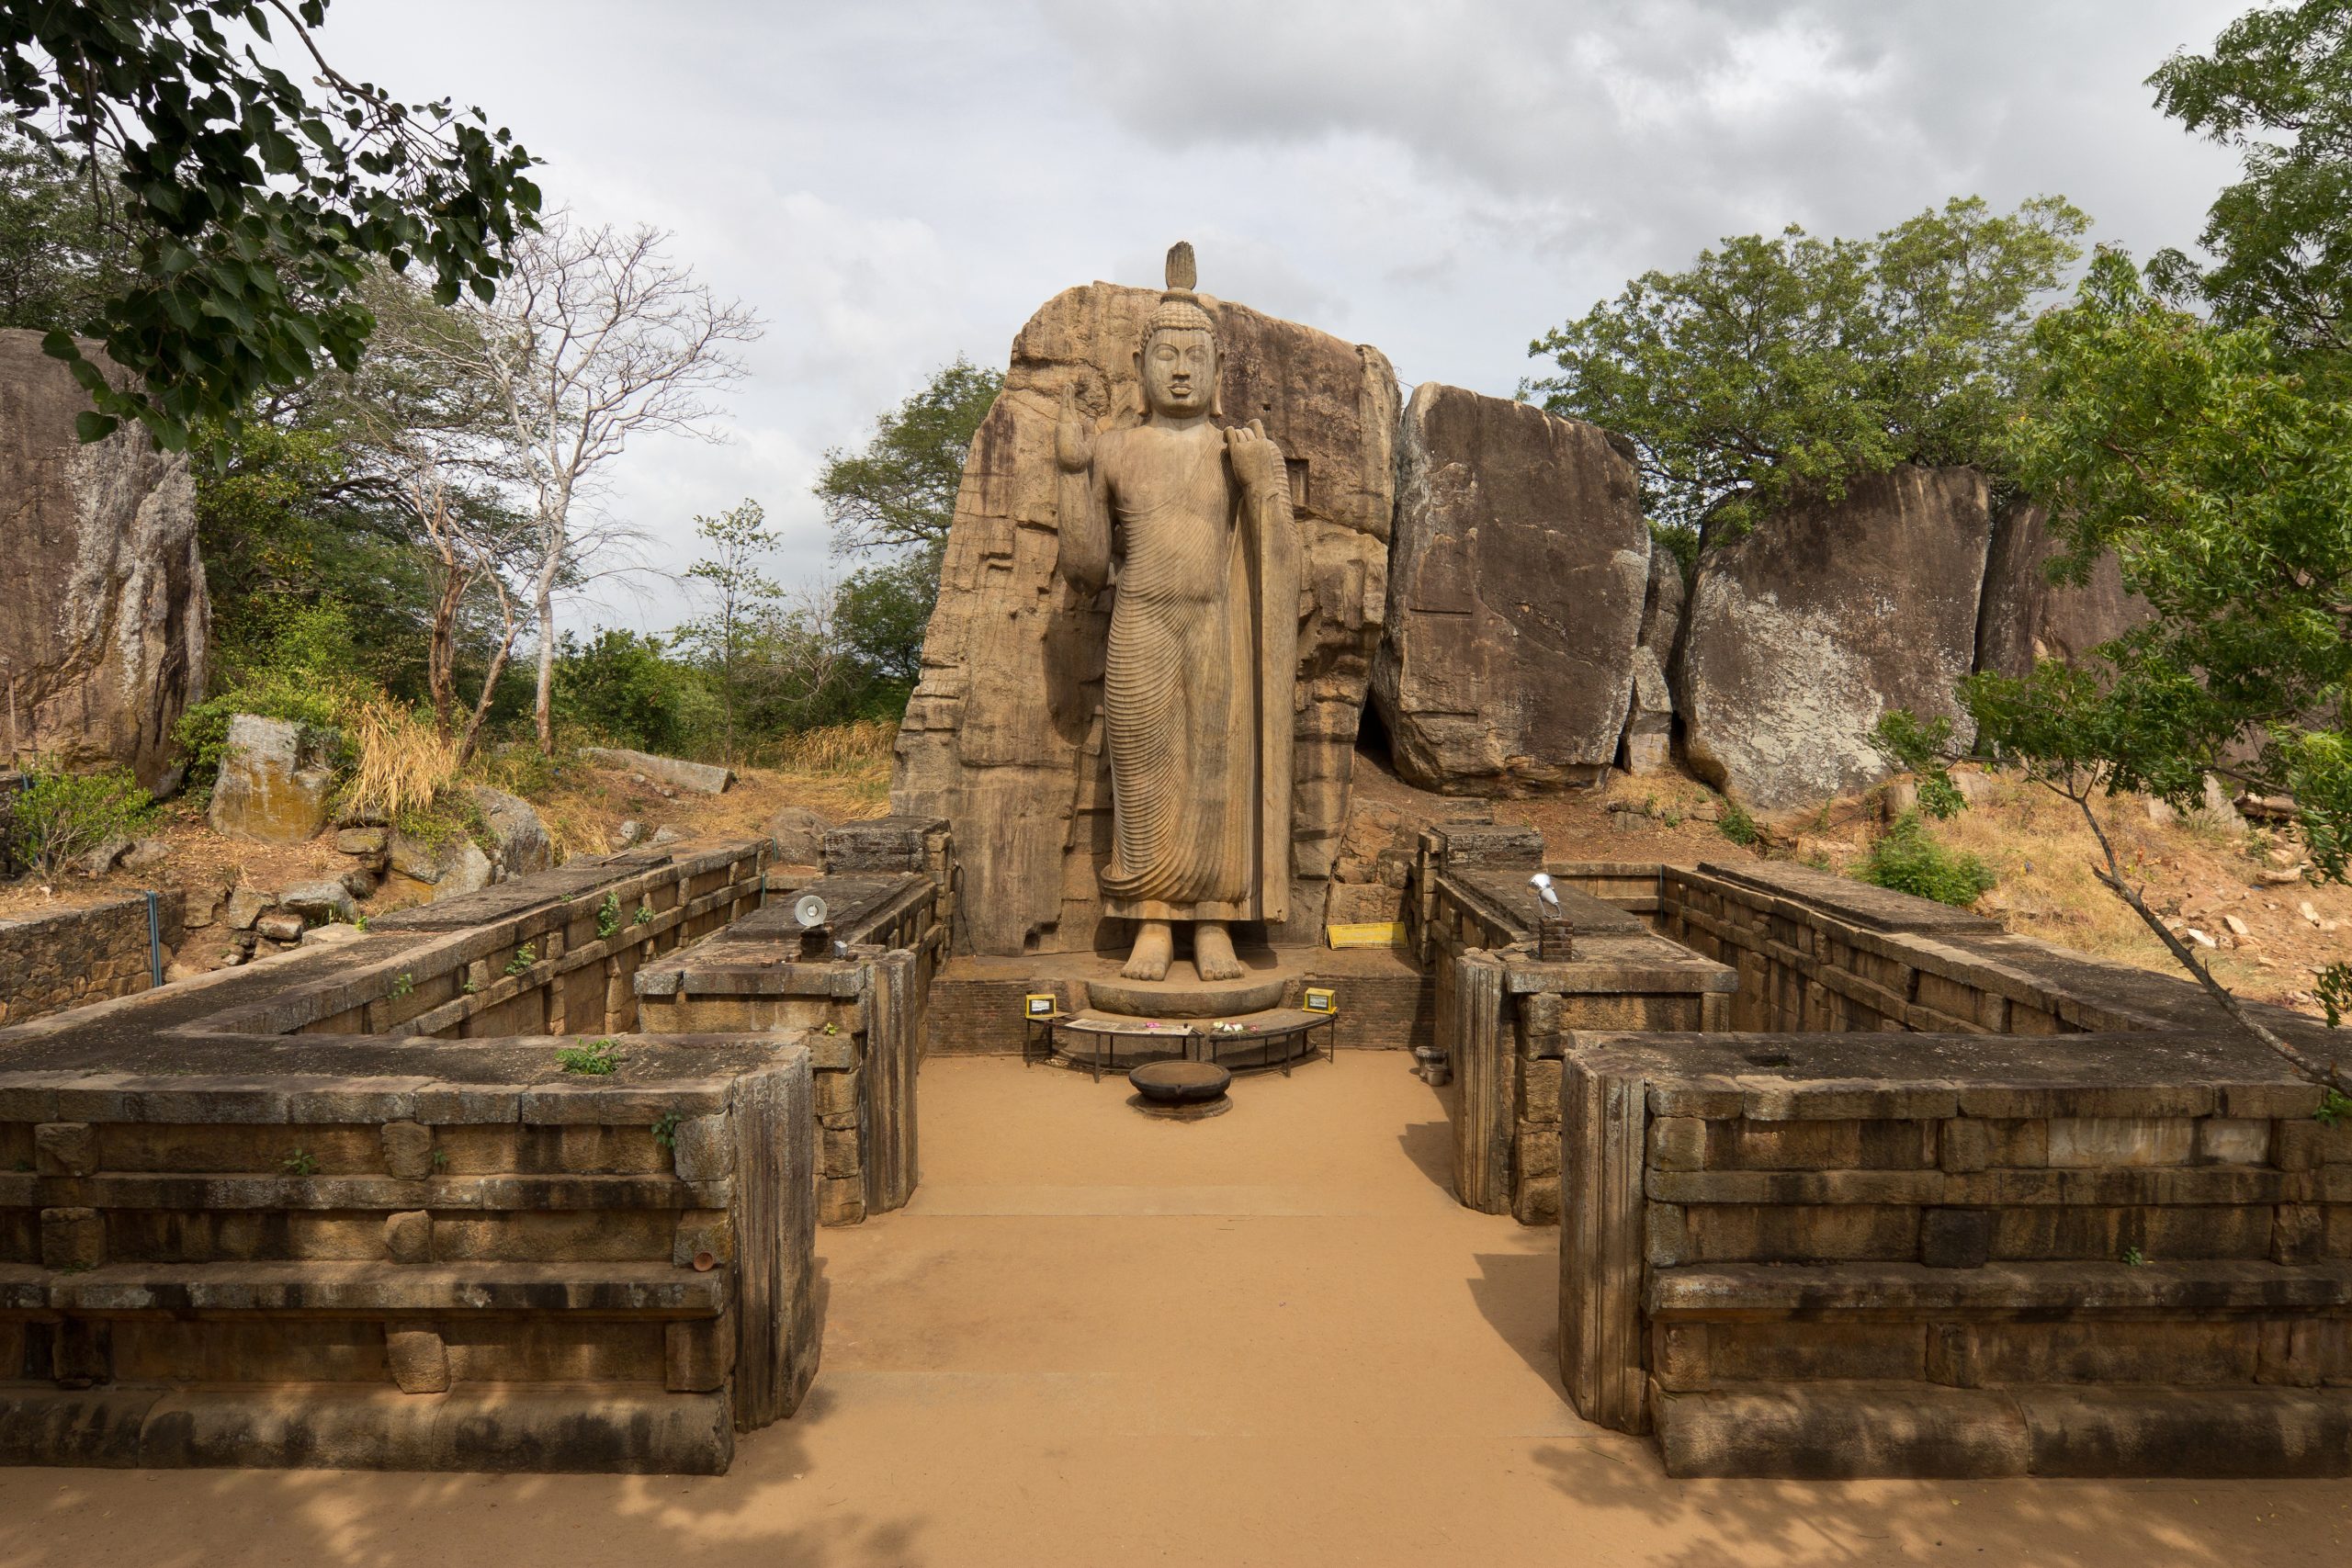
[[1908, 860], [320, 707], [59, 816], [1736, 825]]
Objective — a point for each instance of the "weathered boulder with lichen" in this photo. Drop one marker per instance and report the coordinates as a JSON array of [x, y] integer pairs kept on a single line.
[[1003, 735], [275, 786], [1799, 636], [1515, 596], [103, 647]]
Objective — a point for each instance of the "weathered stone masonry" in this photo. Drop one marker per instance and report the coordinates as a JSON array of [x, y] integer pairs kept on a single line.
[[51, 962]]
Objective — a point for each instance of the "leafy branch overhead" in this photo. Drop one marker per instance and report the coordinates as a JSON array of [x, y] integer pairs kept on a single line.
[[253, 209]]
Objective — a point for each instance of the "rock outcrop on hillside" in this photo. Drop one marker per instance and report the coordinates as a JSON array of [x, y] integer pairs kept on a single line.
[[1800, 635], [1003, 737], [103, 648], [2026, 616], [1516, 586]]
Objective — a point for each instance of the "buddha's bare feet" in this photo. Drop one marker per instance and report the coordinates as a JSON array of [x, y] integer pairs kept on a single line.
[[1213, 952], [1155, 945]]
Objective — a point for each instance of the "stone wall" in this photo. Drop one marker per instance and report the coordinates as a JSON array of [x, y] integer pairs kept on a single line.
[[250, 1250], [1939, 1255], [51, 962], [1504, 1014], [414, 1201], [1002, 735], [862, 1005]]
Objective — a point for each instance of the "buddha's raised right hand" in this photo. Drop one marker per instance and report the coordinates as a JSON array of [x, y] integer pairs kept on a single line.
[[1073, 443]]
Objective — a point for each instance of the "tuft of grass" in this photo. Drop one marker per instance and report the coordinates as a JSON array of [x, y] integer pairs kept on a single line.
[[597, 1059], [404, 764], [1908, 859]]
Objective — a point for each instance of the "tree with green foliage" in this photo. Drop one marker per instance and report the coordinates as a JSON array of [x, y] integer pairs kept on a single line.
[[898, 492], [2278, 86], [59, 259], [892, 501], [744, 602], [1780, 367], [2219, 476], [253, 211], [882, 611], [624, 687]]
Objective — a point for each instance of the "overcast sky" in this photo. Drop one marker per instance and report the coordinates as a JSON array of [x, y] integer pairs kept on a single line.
[[891, 185]]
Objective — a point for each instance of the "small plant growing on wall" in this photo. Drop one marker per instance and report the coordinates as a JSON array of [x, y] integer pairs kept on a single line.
[[524, 956], [644, 915], [608, 916], [597, 1059], [301, 1162], [2334, 1109], [666, 1131], [403, 984]]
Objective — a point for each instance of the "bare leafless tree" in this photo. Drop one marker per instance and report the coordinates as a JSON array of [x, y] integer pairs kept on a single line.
[[430, 430], [594, 338]]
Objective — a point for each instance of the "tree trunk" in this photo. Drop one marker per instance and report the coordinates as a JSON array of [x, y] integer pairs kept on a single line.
[[543, 706], [441, 653], [490, 680]]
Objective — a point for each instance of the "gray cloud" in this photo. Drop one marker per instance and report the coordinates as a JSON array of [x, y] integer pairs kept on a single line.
[[894, 183]]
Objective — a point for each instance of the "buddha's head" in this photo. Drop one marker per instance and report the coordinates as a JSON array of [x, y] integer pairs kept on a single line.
[[1178, 361]]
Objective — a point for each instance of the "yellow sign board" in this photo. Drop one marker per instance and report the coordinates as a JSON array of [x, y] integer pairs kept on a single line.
[[1038, 1004], [1372, 934], [1321, 1000]]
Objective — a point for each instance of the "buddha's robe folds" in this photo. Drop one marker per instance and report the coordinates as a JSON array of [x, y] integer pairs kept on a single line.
[[1197, 684]]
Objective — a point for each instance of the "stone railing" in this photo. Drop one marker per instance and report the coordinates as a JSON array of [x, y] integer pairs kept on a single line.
[[422, 1255], [1504, 1014], [1842, 1255], [50, 962], [415, 1198], [857, 988]]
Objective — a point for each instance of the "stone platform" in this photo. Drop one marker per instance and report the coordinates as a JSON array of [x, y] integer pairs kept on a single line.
[[1384, 999]]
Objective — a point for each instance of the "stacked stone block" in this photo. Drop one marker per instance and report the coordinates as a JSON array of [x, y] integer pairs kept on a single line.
[[433, 1255], [860, 1004], [1804, 1256]]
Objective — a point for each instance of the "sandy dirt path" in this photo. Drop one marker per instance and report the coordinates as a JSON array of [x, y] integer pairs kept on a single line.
[[1270, 1338]]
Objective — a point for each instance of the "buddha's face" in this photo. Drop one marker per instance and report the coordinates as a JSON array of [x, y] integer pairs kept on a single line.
[[1180, 372]]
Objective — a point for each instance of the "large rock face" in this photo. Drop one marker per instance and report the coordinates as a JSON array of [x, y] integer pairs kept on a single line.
[[2026, 616], [1799, 636], [1003, 735], [1514, 597], [1649, 722], [103, 643]]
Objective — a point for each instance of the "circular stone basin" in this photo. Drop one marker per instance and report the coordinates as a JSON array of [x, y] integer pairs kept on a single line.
[[1180, 1083]]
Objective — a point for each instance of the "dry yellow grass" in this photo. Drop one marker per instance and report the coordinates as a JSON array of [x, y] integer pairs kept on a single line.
[[855, 747], [403, 761]]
